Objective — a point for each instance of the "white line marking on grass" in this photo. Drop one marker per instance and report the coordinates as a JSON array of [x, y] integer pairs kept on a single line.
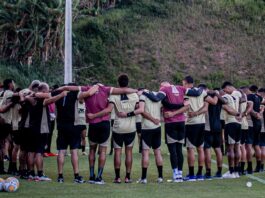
[[249, 176]]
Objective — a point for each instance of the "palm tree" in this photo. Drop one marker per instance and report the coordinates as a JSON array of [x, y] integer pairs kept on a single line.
[[31, 28]]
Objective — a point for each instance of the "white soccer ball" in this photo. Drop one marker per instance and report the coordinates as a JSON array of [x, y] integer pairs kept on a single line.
[[2, 182], [11, 184], [249, 184]]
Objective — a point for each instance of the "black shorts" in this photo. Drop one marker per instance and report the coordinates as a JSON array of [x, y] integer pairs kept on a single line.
[[250, 136], [37, 142], [212, 139], [68, 135], [262, 139], [111, 122], [194, 135], [223, 124], [16, 137], [151, 138], [123, 138], [99, 133], [175, 132], [256, 132], [5, 130], [244, 133], [81, 127], [138, 127], [232, 133]]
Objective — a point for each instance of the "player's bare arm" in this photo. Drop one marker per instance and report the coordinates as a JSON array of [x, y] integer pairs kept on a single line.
[[101, 113]]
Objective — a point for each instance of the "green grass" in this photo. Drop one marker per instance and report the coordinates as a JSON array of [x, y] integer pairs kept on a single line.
[[214, 188]]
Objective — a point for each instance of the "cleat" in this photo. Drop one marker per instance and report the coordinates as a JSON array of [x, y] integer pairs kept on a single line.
[[208, 177], [229, 175], [142, 181], [60, 180], [44, 178], [200, 178], [117, 181], [159, 180], [218, 176], [36, 178], [236, 174], [79, 180], [99, 181], [127, 180], [91, 180], [190, 178]]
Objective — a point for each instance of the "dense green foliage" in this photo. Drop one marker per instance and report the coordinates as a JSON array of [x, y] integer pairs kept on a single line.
[[152, 41]]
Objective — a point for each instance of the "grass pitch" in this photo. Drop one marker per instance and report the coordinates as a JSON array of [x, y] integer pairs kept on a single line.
[[214, 188]]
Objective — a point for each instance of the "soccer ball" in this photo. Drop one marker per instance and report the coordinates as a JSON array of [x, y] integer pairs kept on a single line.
[[2, 182], [11, 184]]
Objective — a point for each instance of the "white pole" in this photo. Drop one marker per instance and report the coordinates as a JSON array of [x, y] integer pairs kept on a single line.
[[68, 76]]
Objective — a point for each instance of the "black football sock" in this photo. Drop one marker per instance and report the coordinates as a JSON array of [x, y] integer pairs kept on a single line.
[[76, 175], [40, 173], [219, 170], [160, 171], [128, 175], [144, 172], [100, 171], [250, 169], [200, 170], [231, 169], [92, 173], [208, 172], [258, 165], [237, 169], [60, 175], [191, 171], [117, 173]]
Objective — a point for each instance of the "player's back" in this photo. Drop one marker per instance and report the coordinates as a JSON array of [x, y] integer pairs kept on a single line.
[[152, 108], [174, 95], [124, 103], [196, 103], [97, 102], [231, 102]]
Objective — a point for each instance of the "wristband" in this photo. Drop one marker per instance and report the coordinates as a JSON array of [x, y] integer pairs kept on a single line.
[[131, 114]]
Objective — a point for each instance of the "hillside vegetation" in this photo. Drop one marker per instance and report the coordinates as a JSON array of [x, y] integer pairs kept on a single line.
[[155, 40]]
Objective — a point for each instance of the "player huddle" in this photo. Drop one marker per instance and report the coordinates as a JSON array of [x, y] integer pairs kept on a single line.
[[199, 118]]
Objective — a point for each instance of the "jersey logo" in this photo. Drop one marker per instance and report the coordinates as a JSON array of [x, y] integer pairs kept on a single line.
[[124, 97], [175, 91]]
